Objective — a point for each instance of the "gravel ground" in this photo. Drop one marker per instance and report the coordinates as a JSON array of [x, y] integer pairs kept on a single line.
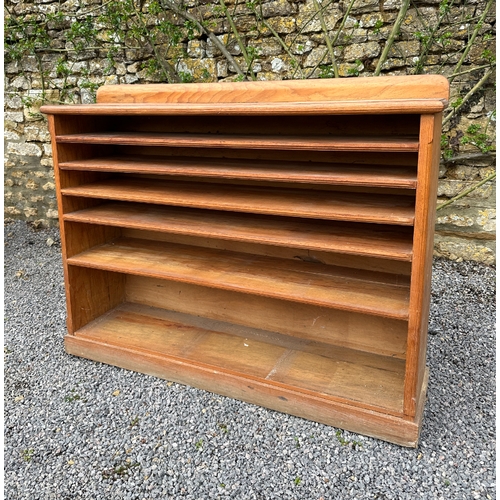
[[76, 429]]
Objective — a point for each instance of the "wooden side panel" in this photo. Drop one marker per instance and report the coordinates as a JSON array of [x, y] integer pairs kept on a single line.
[[339, 89], [423, 243], [383, 336], [81, 237], [92, 293]]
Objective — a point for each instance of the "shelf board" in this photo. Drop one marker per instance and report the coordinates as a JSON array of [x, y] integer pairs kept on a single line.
[[305, 172], [355, 239], [327, 371], [354, 207], [291, 143], [366, 292], [396, 106]]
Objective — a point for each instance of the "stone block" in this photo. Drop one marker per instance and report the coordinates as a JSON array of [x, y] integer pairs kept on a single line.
[[371, 20], [23, 149], [360, 6], [278, 8], [282, 25], [464, 249], [130, 79], [52, 214], [196, 49], [307, 20], [30, 212], [299, 45], [12, 211], [362, 51], [13, 101], [14, 116], [405, 49], [200, 69], [267, 47], [222, 69]]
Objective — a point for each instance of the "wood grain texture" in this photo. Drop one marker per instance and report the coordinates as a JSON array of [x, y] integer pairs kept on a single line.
[[304, 282], [356, 239], [286, 171], [400, 269], [428, 168], [368, 380], [290, 143], [355, 207], [339, 89], [281, 232], [397, 106], [376, 335], [303, 403], [92, 293]]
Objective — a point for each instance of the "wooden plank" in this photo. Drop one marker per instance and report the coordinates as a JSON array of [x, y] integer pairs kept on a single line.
[[303, 172], [330, 205], [401, 431], [368, 380], [317, 284], [355, 239], [399, 106], [377, 335], [290, 143], [401, 269], [92, 293], [338, 89], [430, 136]]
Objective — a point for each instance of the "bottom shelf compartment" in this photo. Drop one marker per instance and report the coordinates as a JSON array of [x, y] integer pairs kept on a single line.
[[359, 391]]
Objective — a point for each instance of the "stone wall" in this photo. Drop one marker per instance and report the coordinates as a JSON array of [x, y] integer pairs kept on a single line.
[[464, 230]]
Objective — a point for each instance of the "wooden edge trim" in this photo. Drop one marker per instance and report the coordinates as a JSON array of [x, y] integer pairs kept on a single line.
[[334, 89], [398, 430], [394, 106]]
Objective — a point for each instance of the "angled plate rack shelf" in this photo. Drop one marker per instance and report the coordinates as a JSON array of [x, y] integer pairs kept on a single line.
[[267, 241]]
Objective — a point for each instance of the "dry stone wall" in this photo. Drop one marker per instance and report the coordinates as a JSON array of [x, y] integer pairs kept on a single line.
[[285, 40]]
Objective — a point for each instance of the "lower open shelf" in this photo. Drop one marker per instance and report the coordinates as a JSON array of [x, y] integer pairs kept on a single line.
[[359, 391]]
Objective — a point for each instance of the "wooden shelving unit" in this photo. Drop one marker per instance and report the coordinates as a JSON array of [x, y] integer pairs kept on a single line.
[[268, 241]]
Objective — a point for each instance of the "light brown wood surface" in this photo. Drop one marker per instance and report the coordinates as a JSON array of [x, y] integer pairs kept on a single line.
[[339, 89], [399, 106], [426, 196], [303, 172], [369, 380], [388, 266], [305, 282], [269, 241], [373, 334], [316, 143], [272, 201], [356, 239]]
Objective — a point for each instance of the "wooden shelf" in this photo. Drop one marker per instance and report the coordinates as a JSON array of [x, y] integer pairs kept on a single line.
[[367, 292], [303, 172], [355, 239], [267, 241], [290, 143], [372, 381], [331, 205]]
